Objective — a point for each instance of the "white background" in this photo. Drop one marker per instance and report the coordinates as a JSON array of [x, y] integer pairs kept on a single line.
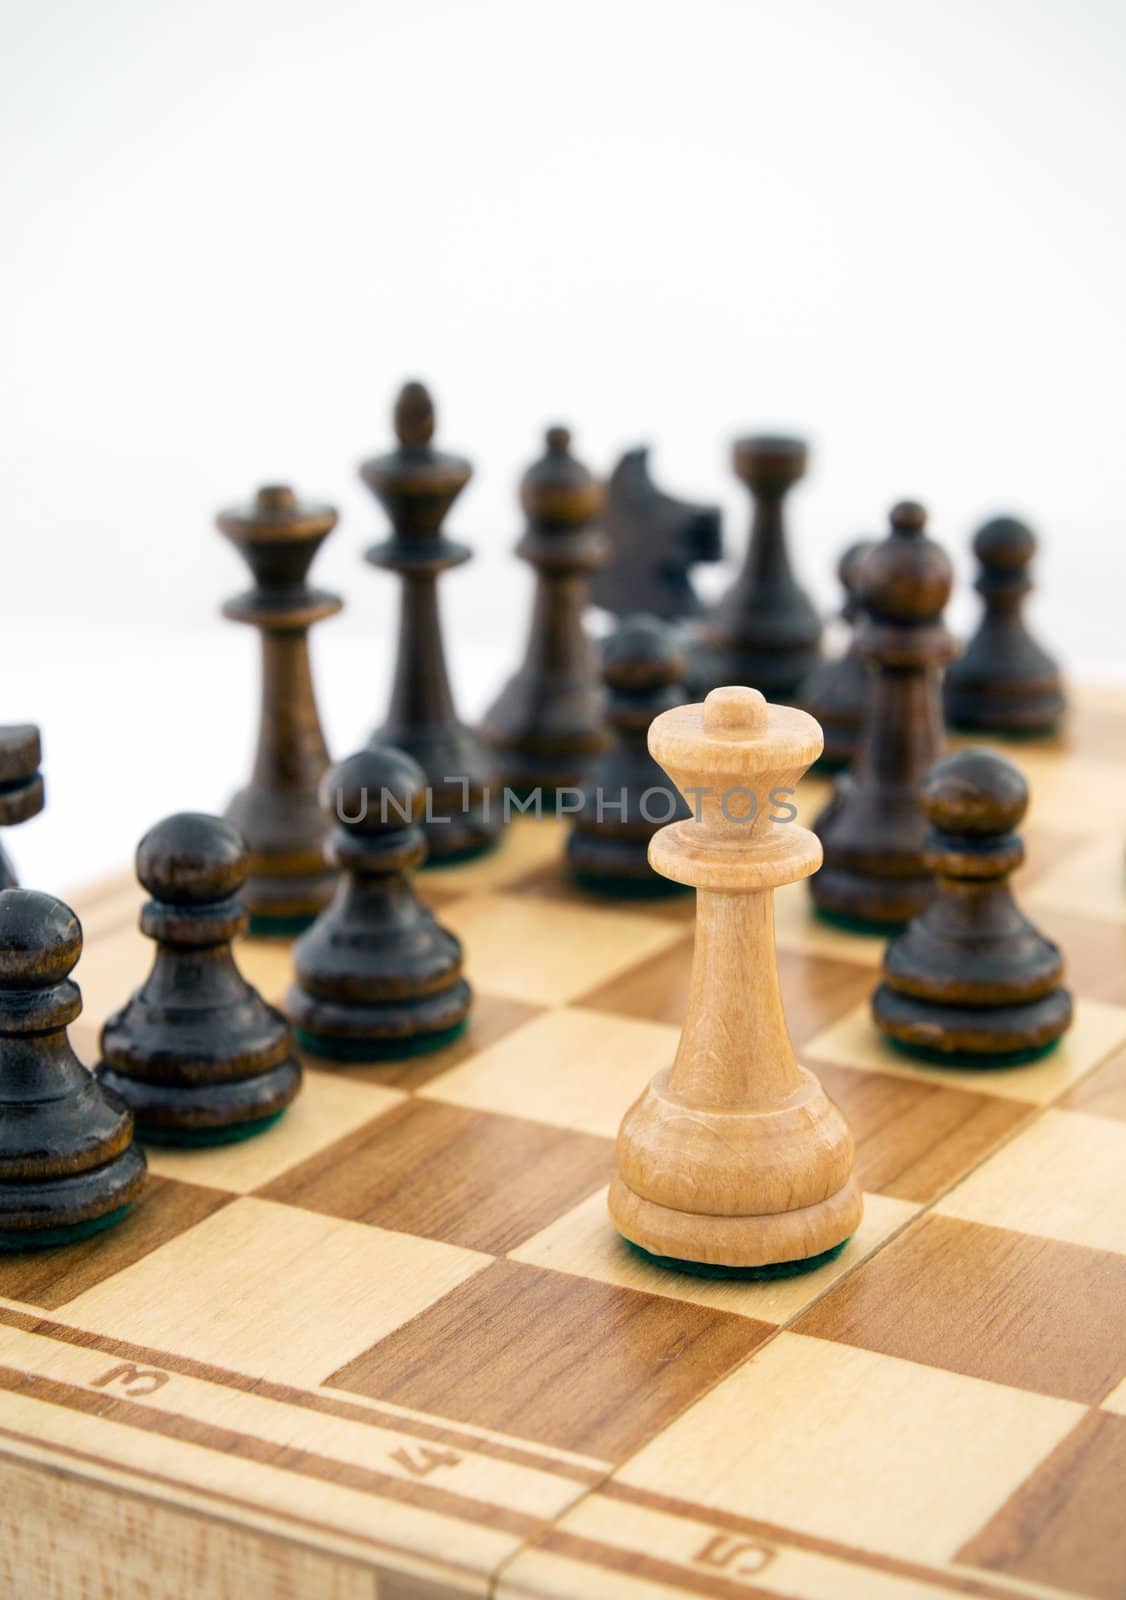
[[231, 230]]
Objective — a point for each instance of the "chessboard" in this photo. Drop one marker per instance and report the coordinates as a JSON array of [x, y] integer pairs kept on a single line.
[[393, 1347]]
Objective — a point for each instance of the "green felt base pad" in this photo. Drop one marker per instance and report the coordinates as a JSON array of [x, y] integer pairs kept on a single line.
[[874, 930], [969, 1062], [46, 1238], [653, 888], [471, 852], [361, 1050], [772, 1270], [203, 1138], [277, 927]]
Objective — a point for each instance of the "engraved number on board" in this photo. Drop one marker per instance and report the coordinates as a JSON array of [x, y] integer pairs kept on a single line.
[[738, 1556], [136, 1382], [420, 1460]]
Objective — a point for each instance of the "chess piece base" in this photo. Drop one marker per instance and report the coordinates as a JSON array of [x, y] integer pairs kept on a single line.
[[865, 904], [771, 1240], [381, 1032], [1022, 714], [204, 1138], [620, 866], [526, 772], [830, 765], [767, 1274], [266, 927], [1005, 1035], [359, 1051], [59, 1210], [465, 837], [284, 902], [287, 879], [209, 1113], [54, 1238]]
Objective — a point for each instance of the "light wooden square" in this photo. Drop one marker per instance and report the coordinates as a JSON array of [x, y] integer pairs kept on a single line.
[[1080, 792], [267, 964], [107, 904], [329, 1106], [109, 970], [273, 1291], [849, 1445], [585, 1243], [1116, 1400], [1090, 883], [550, 952], [1064, 1178], [1098, 1029], [574, 1068]]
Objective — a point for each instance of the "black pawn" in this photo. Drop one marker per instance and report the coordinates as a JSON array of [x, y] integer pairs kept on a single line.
[[416, 485], [654, 541], [836, 691], [971, 981], [376, 976], [875, 875], [626, 795], [68, 1164], [765, 631], [548, 723], [21, 785], [197, 1053], [1004, 682]]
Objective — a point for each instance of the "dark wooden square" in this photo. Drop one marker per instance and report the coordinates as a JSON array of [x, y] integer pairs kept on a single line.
[[915, 1137], [816, 991], [989, 1302], [655, 990], [563, 1360], [469, 1177]]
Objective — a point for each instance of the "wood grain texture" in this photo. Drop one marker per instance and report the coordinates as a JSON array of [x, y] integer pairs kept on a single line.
[[55, 1523], [1030, 1313], [915, 1138], [50, 1278], [581, 1365], [1104, 1092], [533, 1409], [1065, 1527], [445, 1172]]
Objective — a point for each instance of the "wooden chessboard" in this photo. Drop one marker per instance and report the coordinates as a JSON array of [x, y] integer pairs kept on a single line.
[[393, 1348]]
